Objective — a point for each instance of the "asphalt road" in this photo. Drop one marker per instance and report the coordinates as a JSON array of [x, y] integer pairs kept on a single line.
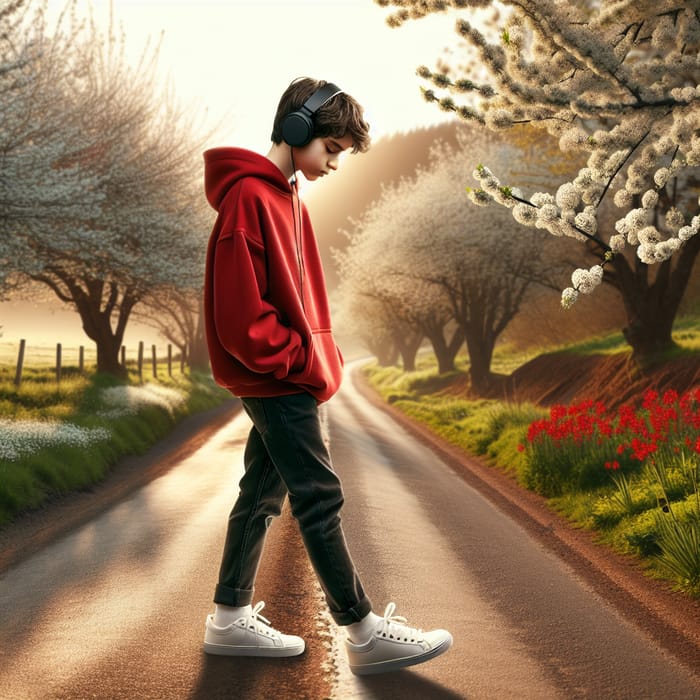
[[115, 608]]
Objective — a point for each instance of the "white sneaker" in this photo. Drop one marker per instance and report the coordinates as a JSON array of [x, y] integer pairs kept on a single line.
[[393, 645], [250, 635]]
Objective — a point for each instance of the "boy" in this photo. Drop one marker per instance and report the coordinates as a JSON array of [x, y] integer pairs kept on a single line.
[[270, 343]]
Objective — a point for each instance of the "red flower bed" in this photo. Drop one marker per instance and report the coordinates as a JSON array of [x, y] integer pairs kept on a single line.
[[575, 445]]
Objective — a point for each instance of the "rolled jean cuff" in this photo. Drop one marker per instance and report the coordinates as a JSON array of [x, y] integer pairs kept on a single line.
[[354, 614], [235, 597]]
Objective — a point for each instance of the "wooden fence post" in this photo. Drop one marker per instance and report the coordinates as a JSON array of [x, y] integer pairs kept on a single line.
[[20, 363], [170, 360], [154, 361], [140, 361], [58, 362], [182, 359], [81, 359]]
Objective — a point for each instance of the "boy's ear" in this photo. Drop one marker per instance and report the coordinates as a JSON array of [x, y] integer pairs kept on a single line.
[[298, 126]]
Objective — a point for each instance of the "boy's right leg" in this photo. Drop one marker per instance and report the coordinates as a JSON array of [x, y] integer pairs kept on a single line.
[[294, 441]]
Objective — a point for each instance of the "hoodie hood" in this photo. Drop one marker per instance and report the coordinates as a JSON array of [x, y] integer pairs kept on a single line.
[[223, 167]]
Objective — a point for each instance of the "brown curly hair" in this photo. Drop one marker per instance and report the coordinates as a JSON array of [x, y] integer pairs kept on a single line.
[[341, 115]]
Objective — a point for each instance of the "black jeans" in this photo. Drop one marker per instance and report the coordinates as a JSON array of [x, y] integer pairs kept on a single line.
[[286, 454]]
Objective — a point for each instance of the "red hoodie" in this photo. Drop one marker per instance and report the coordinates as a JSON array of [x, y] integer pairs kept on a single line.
[[266, 308]]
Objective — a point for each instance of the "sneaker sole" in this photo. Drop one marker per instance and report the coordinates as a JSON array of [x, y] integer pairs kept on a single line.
[[397, 664], [231, 650]]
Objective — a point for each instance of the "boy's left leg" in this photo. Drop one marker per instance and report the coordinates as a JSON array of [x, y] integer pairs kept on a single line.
[[236, 628]]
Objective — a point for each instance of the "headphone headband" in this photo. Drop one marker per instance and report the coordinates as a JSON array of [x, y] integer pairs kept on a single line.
[[320, 97]]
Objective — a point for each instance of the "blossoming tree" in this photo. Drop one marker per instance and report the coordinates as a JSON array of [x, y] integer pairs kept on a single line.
[[136, 221], [387, 306], [454, 272], [620, 81], [34, 138]]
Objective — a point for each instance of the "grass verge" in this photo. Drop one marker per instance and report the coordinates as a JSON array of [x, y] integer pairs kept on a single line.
[[57, 438]]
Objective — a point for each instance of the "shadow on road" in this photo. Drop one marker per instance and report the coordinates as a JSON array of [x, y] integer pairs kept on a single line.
[[404, 684], [253, 678], [249, 678]]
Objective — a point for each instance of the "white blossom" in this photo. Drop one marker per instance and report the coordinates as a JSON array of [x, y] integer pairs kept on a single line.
[[499, 118], [649, 235], [568, 196], [541, 199], [650, 199], [23, 437], [587, 221], [568, 297], [547, 213], [617, 243], [480, 197], [525, 214], [674, 218], [623, 198], [662, 176], [585, 281], [125, 400]]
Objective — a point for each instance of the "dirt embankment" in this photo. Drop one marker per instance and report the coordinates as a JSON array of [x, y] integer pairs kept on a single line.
[[565, 377]]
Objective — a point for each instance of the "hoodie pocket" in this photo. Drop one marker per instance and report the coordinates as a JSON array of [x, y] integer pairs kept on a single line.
[[323, 368]]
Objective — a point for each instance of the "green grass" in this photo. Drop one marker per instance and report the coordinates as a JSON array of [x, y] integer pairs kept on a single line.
[[103, 431], [485, 427]]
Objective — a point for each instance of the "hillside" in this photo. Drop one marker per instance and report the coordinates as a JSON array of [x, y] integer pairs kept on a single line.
[[567, 377]]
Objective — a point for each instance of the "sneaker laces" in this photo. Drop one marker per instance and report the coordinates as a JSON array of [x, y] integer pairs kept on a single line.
[[395, 627], [259, 623]]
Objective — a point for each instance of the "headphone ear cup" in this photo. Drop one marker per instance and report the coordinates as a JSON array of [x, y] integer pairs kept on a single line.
[[297, 129]]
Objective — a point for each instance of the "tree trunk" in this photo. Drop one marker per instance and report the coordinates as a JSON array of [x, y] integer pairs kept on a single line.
[[480, 348], [408, 349], [97, 302], [108, 348], [97, 312], [198, 352], [652, 299], [445, 350]]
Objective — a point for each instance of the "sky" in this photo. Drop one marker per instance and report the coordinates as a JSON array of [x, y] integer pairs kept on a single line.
[[234, 58], [231, 60]]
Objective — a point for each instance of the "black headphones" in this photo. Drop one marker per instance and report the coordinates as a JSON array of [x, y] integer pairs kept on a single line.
[[298, 126]]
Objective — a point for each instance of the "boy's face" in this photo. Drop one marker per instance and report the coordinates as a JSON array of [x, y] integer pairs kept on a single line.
[[321, 155]]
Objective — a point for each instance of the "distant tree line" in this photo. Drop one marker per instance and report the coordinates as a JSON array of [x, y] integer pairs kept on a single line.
[[100, 194]]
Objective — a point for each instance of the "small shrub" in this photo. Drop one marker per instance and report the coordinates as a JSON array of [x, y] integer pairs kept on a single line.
[[628, 497], [679, 544]]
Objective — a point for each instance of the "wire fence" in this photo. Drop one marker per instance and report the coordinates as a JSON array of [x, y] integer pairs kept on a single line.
[[17, 358]]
